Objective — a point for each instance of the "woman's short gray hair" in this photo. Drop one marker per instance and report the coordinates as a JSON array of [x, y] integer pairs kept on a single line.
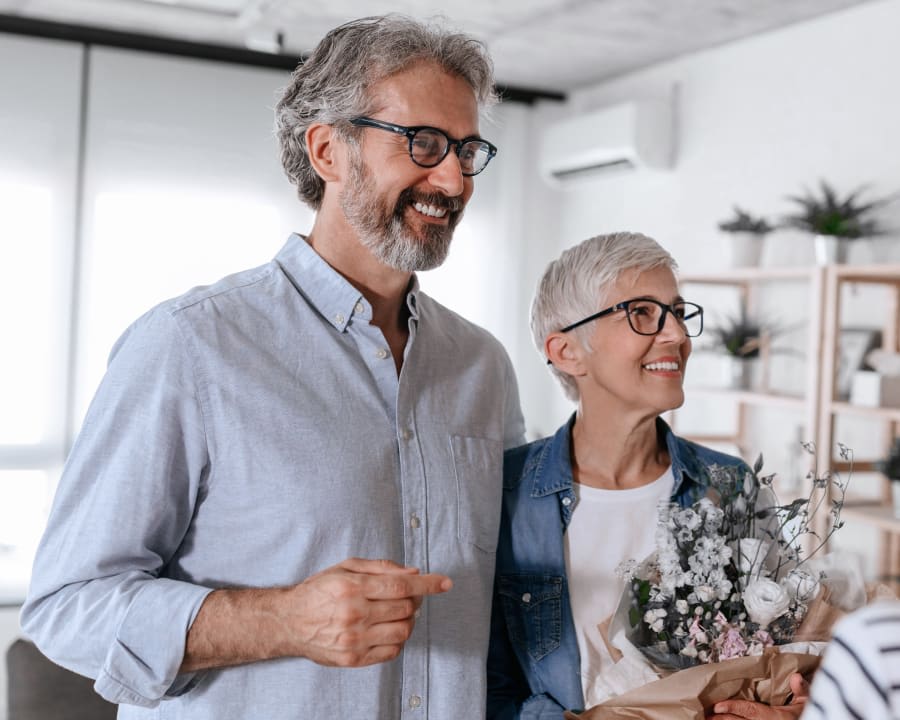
[[331, 85], [577, 284]]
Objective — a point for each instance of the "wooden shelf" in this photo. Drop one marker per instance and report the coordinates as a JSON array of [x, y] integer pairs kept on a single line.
[[876, 413], [879, 515], [881, 274]]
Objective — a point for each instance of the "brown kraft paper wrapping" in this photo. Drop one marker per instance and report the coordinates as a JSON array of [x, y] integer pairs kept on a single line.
[[686, 694]]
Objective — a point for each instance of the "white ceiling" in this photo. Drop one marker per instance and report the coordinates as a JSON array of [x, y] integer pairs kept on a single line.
[[554, 45]]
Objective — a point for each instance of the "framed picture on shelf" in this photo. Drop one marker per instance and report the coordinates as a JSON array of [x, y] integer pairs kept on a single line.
[[855, 344]]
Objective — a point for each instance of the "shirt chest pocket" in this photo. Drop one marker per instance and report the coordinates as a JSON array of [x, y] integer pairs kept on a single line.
[[479, 485], [532, 606]]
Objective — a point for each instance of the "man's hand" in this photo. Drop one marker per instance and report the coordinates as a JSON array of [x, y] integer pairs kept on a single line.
[[748, 710], [359, 612]]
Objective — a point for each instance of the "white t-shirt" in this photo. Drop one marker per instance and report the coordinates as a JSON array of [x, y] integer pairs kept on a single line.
[[607, 527]]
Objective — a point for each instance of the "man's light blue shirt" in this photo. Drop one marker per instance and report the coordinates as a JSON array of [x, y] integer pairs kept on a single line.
[[251, 434]]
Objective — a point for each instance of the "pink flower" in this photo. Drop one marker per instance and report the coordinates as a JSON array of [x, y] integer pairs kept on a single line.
[[697, 633], [731, 645]]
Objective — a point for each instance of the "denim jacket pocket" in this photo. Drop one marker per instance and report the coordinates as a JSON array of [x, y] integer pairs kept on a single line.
[[532, 606], [479, 484]]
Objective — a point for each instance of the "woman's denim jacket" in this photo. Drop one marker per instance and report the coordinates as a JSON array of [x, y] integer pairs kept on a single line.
[[533, 663]]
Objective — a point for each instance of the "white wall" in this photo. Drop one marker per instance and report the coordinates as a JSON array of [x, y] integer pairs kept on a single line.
[[758, 120]]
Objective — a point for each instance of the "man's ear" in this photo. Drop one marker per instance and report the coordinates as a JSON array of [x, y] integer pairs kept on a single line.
[[325, 151], [565, 353]]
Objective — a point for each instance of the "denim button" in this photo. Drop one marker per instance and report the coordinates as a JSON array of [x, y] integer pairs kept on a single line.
[[567, 501], [526, 598]]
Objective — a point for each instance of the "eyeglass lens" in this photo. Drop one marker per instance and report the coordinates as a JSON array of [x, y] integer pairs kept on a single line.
[[428, 147], [646, 317]]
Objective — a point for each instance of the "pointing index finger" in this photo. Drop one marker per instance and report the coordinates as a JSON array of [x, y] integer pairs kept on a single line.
[[392, 587]]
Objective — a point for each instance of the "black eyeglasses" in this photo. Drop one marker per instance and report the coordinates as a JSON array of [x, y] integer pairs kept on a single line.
[[428, 146], [648, 317]]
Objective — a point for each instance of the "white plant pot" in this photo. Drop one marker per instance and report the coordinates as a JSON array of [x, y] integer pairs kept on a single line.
[[745, 249], [895, 494], [740, 373], [831, 250]]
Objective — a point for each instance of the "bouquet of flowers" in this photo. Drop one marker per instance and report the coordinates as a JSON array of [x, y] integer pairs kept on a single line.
[[730, 579]]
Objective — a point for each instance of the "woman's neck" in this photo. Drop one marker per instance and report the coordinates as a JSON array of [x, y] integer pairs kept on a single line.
[[613, 454]]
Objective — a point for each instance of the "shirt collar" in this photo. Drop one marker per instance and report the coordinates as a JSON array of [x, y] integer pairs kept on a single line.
[[326, 289]]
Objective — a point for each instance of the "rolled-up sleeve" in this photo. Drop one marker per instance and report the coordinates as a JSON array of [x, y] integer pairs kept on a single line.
[[104, 601]]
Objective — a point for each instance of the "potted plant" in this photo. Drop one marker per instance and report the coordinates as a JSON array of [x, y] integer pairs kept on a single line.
[[746, 233], [741, 338], [834, 221], [890, 467]]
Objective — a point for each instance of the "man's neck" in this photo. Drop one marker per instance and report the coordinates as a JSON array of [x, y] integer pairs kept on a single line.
[[385, 288]]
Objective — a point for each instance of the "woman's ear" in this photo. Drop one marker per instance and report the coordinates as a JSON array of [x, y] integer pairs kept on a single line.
[[565, 353], [324, 149]]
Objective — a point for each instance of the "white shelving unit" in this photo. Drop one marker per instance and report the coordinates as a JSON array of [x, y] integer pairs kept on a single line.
[[876, 512]]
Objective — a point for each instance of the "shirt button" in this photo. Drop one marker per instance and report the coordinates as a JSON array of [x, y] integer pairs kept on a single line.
[[567, 501], [381, 354], [406, 434], [414, 521], [358, 308], [414, 701], [526, 598], [339, 319], [418, 613]]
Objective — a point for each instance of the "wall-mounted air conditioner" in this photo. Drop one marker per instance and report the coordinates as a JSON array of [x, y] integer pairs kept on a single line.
[[635, 134]]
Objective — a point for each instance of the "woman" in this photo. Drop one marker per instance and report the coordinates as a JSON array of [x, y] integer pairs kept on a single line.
[[577, 504]]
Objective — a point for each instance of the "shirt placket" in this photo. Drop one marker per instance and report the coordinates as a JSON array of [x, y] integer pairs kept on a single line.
[[415, 537], [377, 356]]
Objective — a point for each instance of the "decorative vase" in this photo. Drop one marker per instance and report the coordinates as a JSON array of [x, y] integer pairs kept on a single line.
[[740, 373], [745, 248], [831, 250]]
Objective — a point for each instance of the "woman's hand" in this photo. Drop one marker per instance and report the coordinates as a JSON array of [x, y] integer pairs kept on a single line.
[[749, 710]]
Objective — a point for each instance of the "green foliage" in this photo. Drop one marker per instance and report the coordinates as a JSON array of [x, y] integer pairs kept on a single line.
[[740, 335], [890, 466], [743, 221], [827, 214]]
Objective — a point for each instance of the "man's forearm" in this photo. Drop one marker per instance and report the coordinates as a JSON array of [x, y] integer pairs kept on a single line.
[[234, 627], [358, 612]]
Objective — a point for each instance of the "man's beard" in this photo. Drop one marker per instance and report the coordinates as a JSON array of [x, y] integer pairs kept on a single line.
[[384, 230]]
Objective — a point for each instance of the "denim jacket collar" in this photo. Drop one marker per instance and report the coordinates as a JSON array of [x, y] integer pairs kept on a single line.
[[551, 469]]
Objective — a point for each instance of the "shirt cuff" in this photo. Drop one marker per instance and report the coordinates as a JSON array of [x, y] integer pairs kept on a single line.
[[142, 666]]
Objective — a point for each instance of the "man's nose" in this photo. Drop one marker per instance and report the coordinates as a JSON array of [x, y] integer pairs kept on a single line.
[[447, 175]]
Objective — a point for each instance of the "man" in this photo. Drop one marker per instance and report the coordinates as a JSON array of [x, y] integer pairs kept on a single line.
[[860, 674], [279, 470]]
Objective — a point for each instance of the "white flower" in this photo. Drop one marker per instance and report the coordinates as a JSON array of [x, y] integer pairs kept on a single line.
[[656, 619], [765, 600], [681, 606], [689, 650], [688, 519], [752, 556], [800, 585]]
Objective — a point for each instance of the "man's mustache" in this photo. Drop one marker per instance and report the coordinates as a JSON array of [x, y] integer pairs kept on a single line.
[[410, 196]]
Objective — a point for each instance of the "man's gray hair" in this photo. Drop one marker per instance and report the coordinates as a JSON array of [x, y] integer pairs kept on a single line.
[[578, 282], [332, 85]]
